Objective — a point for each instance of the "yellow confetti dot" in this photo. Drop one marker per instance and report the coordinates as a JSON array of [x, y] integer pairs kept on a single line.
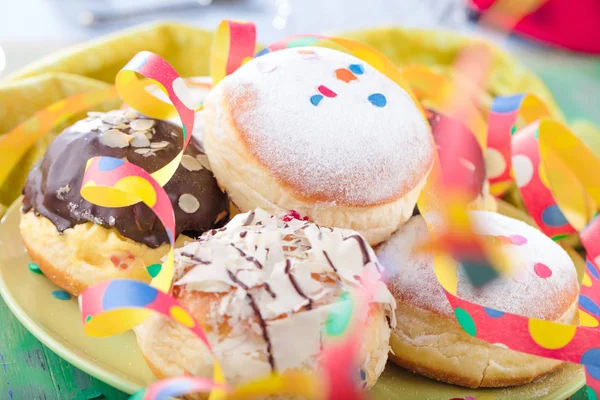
[[587, 281], [586, 319], [181, 316], [551, 335]]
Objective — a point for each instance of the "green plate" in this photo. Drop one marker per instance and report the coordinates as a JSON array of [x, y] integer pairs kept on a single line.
[[118, 362]]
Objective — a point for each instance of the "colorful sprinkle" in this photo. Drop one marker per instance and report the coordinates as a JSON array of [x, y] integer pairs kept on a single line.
[[363, 375], [345, 75], [560, 237], [589, 305], [325, 91], [552, 216], [518, 240], [61, 295], [127, 293], [542, 270], [88, 318], [316, 99], [493, 313], [513, 129], [33, 267], [591, 359], [109, 163], [465, 321], [154, 270], [357, 69], [378, 100]]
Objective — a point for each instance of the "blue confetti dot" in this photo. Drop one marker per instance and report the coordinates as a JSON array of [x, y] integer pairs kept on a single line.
[[363, 375], [591, 269], [127, 293], [493, 313], [316, 99], [507, 104], [552, 216], [264, 51], [378, 100], [589, 305], [357, 69], [591, 360], [109, 163], [61, 295]]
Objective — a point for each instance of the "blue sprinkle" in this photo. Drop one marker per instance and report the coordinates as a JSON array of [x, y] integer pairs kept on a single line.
[[109, 163], [316, 99], [493, 313], [552, 216], [127, 294], [591, 360], [357, 69], [591, 269], [507, 104], [363, 374], [61, 295], [378, 100], [262, 52], [589, 305]]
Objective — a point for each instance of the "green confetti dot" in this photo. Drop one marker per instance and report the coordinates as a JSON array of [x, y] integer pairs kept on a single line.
[[465, 321], [154, 269], [339, 318], [536, 134], [513, 129], [88, 318], [33, 267], [591, 394], [559, 237], [302, 41]]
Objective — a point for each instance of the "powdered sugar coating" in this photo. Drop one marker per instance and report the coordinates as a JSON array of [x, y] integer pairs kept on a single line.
[[412, 278], [341, 148]]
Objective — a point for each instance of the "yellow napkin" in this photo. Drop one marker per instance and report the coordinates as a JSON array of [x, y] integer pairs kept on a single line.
[[94, 64]]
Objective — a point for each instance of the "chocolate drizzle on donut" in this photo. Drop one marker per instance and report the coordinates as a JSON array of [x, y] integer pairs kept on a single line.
[[237, 281], [329, 261], [194, 258], [53, 186], [263, 326], [288, 266], [249, 219], [363, 247]]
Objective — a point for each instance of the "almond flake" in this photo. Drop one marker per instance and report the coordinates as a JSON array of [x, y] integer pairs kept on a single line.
[[190, 163], [115, 138], [122, 126], [115, 117], [142, 124], [131, 115], [142, 151], [95, 114], [138, 139], [149, 135], [203, 159], [188, 203], [159, 145]]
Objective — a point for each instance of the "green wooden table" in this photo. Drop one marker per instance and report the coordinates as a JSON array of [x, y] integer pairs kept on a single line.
[[30, 371]]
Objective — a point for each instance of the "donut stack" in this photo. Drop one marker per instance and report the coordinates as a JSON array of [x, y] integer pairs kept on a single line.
[[324, 157]]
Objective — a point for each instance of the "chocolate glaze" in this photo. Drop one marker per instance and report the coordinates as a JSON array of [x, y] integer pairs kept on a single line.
[[52, 187]]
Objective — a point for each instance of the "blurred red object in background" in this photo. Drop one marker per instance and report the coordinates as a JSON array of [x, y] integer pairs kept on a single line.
[[571, 24]]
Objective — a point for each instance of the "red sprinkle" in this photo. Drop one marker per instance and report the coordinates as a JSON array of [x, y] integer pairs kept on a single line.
[[293, 214], [325, 91], [542, 270]]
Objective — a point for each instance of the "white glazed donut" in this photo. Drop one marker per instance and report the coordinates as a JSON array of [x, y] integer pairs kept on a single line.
[[428, 340], [263, 288], [321, 132]]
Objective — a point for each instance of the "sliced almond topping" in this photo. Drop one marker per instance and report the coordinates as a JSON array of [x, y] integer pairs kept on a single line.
[[159, 145], [142, 151], [203, 159], [190, 163], [131, 115], [115, 138], [188, 203], [139, 140], [142, 124], [148, 134], [122, 126]]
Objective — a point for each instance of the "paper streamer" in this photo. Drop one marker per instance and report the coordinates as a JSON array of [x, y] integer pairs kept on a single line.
[[234, 44]]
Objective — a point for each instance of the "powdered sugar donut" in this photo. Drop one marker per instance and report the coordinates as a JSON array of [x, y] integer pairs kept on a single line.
[[320, 132], [427, 338], [263, 288]]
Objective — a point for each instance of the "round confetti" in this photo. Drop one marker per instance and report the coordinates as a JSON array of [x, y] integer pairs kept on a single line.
[[518, 240], [589, 305], [523, 168], [325, 91], [494, 163], [88, 318], [33, 267], [551, 335], [181, 91], [552, 216], [591, 359], [316, 99], [154, 270], [591, 393], [182, 316], [493, 313], [61, 295], [542, 270], [586, 319], [378, 100], [345, 75], [109, 163], [465, 321], [126, 293], [357, 69]]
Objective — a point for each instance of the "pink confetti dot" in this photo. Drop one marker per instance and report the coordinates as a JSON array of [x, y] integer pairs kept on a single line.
[[542, 270], [518, 240]]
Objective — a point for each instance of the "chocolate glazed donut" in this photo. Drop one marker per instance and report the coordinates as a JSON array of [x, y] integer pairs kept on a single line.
[[53, 185]]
